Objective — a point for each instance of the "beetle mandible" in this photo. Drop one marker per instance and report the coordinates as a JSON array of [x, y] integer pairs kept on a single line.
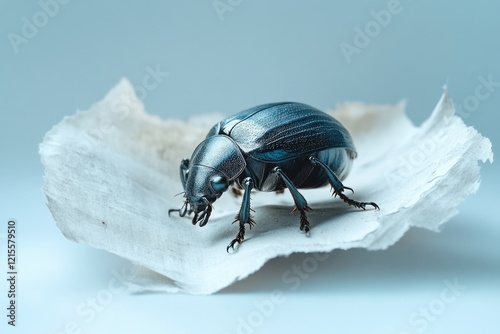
[[269, 147]]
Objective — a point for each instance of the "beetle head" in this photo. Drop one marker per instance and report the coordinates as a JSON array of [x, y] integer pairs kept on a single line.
[[214, 165], [204, 185]]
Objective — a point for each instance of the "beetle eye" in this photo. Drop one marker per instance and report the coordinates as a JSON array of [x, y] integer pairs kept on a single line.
[[219, 184]]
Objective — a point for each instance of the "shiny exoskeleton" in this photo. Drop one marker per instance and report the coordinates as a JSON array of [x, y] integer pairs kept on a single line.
[[268, 148]]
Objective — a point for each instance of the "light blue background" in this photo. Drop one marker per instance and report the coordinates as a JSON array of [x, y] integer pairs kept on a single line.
[[261, 51]]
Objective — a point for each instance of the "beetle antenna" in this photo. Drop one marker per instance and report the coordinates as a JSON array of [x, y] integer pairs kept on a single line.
[[181, 193]]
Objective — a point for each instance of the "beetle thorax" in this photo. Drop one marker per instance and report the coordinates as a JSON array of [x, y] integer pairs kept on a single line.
[[214, 165]]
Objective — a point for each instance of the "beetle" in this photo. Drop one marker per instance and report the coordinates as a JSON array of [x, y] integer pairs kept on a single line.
[[269, 147]]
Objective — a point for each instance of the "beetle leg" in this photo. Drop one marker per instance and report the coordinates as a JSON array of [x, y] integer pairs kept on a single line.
[[182, 211], [300, 201], [338, 187], [244, 216], [183, 170]]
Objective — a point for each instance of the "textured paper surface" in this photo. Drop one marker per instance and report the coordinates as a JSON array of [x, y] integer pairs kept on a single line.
[[111, 175]]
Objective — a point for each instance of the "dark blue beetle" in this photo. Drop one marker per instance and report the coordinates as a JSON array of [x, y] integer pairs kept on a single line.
[[269, 148]]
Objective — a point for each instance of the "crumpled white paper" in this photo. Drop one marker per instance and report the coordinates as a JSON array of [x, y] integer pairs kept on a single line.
[[112, 173]]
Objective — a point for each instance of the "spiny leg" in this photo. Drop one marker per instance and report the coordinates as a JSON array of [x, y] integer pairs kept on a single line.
[[339, 188], [300, 201], [244, 216]]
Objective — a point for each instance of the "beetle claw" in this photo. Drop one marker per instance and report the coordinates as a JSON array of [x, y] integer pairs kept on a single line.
[[304, 223], [238, 240], [361, 205], [232, 243], [349, 189], [372, 204]]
